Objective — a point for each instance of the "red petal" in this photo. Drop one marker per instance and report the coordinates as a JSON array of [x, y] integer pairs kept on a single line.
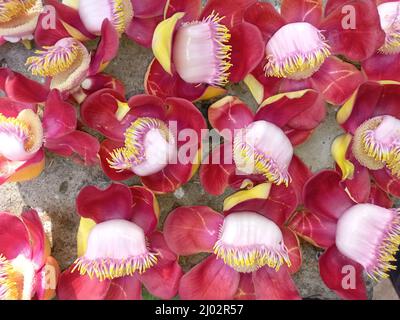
[[101, 81], [191, 8], [143, 105], [382, 67], [14, 238], [161, 84], [334, 267], [232, 11], [274, 285], [148, 8], [107, 48], [145, 209], [337, 80], [325, 196], [124, 288], [380, 197], [214, 173], [300, 173], [79, 145], [22, 89], [297, 137], [73, 286], [106, 148], [59, 117], [229, 113], [387, 182], [302, 10], [141, 30], [36, 236], [115, 202], [191, 230], [246, 289], [266, 18], [4, 74], [358, 42], [45, 36], [11, 108], [248, 50], [318, 230], [332, 5], [389, 102], [284, 110], [209, 280], [293, 245]]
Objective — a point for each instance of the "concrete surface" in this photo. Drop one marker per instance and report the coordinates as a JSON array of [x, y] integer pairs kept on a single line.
[[55, 190]]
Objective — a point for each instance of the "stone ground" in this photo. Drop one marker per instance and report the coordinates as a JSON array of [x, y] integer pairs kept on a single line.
[[56, 189]]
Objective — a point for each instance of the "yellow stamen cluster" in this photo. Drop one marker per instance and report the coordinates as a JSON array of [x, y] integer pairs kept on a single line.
[[299, 66], [133, 152], [12, 9], [8, 285], [119, 13], [53, 60], [223, 50], [110, 268], [249, 260], [387, 251]]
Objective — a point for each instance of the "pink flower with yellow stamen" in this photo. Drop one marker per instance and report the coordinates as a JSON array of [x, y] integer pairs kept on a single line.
[[252, 253], [371, 119], [83, 19], [301, 43], [119, 248], [27, 129], [27, 271], [199, 51], [384, 65], [258, 147], [68, 63], [18, 19], [363, 235], [143, 137]]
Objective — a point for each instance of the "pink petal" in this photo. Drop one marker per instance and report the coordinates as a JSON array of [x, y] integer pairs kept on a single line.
[[337, 80], [379, 197], [141, 30], [148, 8], [292, 243], [59, 117], [209, 280], [302, 10], [14, 237], [300, 173], [36, 235], [124, 288], [324, 195], [22, 89], [382, 67], [246, 288], [101, 81], [334, 267], [191, 8], [274, 285], [115, 202], [248, 50], [144, 208], [191, 230], [387, 182]]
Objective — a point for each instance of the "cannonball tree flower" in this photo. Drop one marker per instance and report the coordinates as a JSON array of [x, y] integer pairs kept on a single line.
[[301, 45], [385, 63], [119, 248], [258, 147], [361, 236], [371, 118], [18, 19], [27, 270], [198, 51], [158, 140], [252, 253], [82, 19], [67, 63], [27, 130]]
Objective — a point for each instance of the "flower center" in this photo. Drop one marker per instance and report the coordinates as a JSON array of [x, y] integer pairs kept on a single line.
[[94, 12], [10, 288], [248, 241], [296, 51], [263, 148], [389, 14], [377, 144], [67, 62], [11, 9], [149, 146], [116, 248], [370, 235], [21, 137], [201, 52]]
